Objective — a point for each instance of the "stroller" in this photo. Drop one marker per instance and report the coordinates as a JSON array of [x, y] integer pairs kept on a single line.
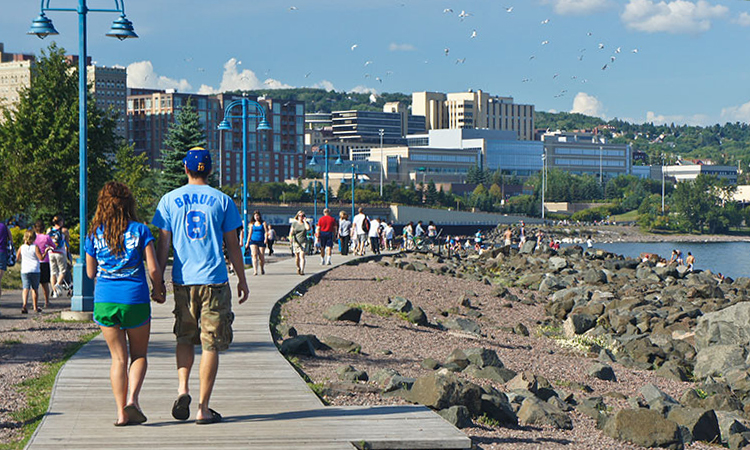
[[66, 285]]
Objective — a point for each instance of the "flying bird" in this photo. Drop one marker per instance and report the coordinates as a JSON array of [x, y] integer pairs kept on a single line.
[[379, 79], [367, 75], [531, 57], [589, 33], [555, 76], [292, 8], [545, 21], [601, 46], [509, 9], [447, 10], [446, 50], [605, 67], [580, 58], [354, 46], [473, 34], [545, 42], [461, 61], [463, 15], [367, 63], [308, 74], [618, 49], [525, 80], [635, 50], [612, 59]]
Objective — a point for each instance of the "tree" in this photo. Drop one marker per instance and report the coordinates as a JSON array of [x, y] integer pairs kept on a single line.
[[185, 133], [132, 169], [39, 144]]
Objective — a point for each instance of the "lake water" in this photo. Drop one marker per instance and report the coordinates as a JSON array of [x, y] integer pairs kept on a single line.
[[729, 258]]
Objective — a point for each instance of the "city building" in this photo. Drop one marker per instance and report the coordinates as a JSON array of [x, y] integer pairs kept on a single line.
[[587, 153], [474, 109], [364, 126], [406, 164], [687, 171], [273, 155], [109, 86], [15, 74]]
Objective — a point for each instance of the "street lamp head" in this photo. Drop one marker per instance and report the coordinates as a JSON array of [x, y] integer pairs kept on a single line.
[[263, 125], [224, 125], [338, 161], [122, 29], [312, 162], [42, 27]]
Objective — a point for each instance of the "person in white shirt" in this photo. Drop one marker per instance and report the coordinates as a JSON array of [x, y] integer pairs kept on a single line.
[[358, 230], [389, 235], [374, 235]]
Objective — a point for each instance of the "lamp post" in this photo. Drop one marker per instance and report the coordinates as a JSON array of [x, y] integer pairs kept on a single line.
[[122, 28], [381, 132], [263, 125], [662, 184], [314, 163], [544, 178]]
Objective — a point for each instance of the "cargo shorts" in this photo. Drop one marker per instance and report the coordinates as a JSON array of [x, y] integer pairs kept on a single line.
[[203, 315]]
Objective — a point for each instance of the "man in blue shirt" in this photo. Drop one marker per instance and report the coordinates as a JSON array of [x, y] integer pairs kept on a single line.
[[197, 220]]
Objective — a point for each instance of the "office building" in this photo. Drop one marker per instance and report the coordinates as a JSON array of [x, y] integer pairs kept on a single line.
[[109, 86], [474, 110], [15, 74], [587, 153], [688, 171], [364, 126], [273, 155]]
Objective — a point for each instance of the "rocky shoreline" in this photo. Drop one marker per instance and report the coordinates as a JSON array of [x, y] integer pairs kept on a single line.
[[624, 233], [534, 348]]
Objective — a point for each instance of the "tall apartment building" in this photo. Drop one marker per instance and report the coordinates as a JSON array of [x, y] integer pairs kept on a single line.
[[474, 110], [109, 86], [273, 155], [15, 74]]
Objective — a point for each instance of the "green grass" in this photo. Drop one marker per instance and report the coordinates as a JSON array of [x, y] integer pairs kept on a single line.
[[38, 391], [630, 216], [378, 310], [10, 342], [58, 319], [488, 421], [12, 278]]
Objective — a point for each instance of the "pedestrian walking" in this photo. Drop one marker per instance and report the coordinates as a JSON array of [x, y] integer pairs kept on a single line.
[[116, 248], [197, 220], [257, 242], [5, 239], [44, 242], [374, 235], [270, 238], [345, 229], [30, 257], [58, 258], [298, 240], [327, 229], [360, 229]]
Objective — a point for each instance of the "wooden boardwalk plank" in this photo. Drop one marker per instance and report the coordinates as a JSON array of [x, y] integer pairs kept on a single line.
[[265, 403]]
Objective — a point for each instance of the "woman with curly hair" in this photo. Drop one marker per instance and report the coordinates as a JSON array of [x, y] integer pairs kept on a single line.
[[116, 247]]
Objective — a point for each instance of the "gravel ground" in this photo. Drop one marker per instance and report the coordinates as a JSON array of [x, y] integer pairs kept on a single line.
[[27, 341], [393, 343]]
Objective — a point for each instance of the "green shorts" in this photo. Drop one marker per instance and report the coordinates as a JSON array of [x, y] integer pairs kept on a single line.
[[122, 315], [203, 315]]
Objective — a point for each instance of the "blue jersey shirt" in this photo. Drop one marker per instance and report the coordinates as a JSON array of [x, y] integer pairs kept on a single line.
[[121, 278], [197, 216]]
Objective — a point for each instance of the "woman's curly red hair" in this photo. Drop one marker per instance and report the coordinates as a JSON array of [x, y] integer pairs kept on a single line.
[[115, 209]]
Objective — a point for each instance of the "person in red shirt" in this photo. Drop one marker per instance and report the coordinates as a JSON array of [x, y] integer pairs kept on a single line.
[[326, 231]]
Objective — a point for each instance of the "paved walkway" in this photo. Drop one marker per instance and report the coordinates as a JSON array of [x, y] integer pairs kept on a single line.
[[264, 402]]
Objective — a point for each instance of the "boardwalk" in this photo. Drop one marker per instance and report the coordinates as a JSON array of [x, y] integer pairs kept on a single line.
[[265, 404]]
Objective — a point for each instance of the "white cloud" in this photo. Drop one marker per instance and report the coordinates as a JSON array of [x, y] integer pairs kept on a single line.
[[394, 47], [677, 17], [363, 90], [141, 75], [736, 113], [325, 84], [743, 19], [587, 104], [233, 80], [695, 119], [580, 7]]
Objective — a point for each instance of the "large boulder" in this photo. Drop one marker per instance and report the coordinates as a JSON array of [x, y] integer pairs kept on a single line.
[[534, 411], [349, 373], [483, 357], [343, 313], [729, 326], [578, 324], [528, 247], [557, 263], [441, 390], [702, 424], [342, 344], [458, 416], [461, 324], [644, 427], [417, 316], [303, 345], [497, 406], [602, 371], [399, 304], [719, 359]]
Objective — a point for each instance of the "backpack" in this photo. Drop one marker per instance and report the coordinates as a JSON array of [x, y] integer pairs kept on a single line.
[[57, 237], [366, 225]]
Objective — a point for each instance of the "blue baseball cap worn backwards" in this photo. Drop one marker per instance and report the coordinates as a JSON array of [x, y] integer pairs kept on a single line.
[[198, 159]]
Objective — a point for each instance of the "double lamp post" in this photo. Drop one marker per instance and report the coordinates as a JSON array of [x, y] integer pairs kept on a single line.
[[122, 28]]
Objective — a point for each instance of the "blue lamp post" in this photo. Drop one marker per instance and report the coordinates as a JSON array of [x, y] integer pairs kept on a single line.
[[122, 28], [263, 125], [314, 163]]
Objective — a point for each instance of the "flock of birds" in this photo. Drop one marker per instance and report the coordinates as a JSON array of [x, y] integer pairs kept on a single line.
[[602, 52]]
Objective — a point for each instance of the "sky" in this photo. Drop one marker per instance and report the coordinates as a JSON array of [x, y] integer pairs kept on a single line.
[[681, 61]]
